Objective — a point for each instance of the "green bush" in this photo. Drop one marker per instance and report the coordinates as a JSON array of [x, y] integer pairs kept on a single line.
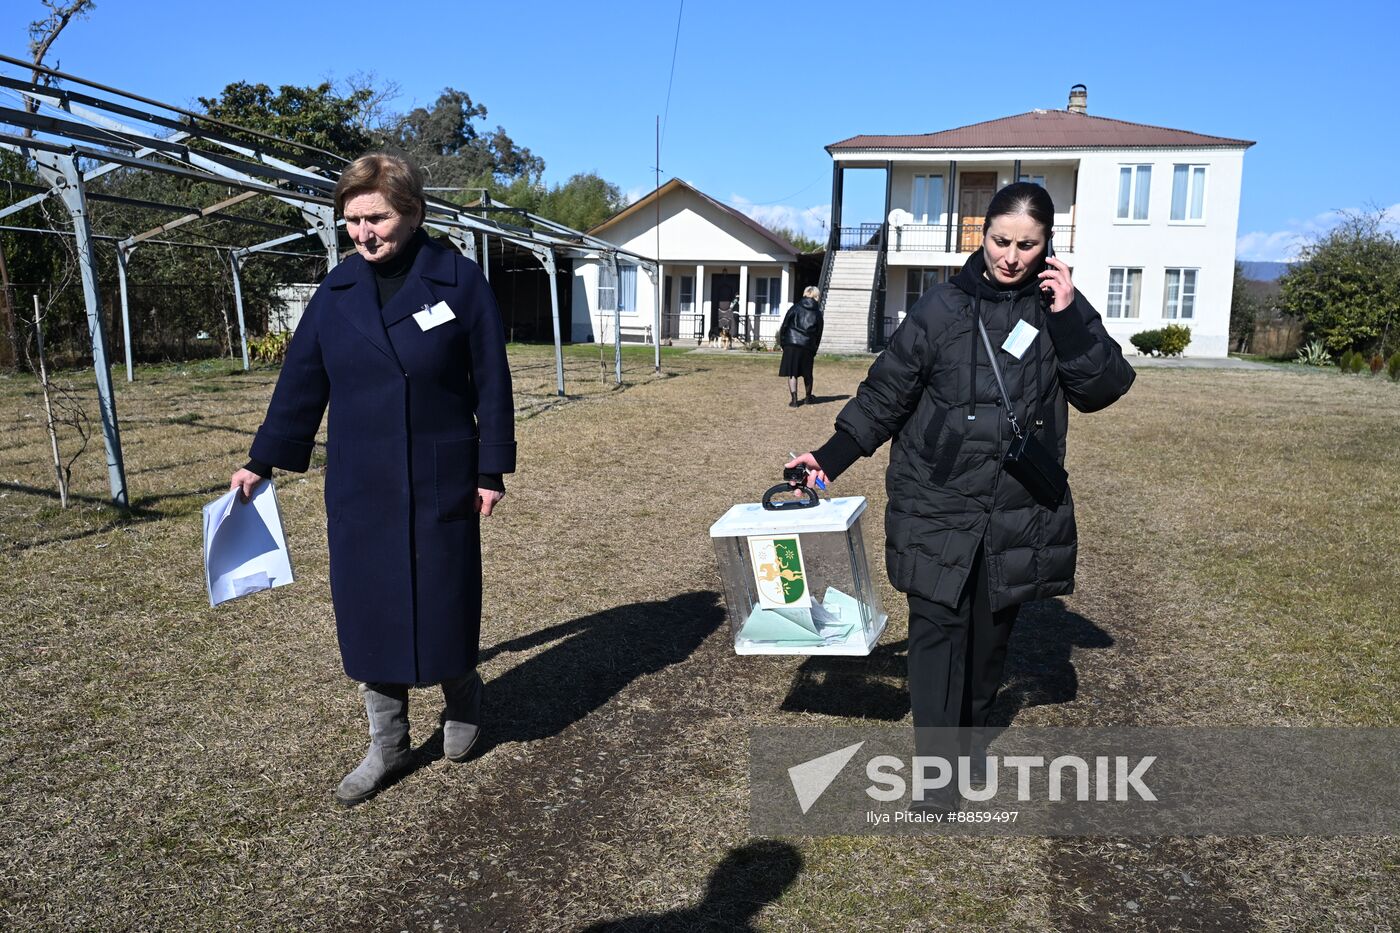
[[1358, 363], [1175, 337], [1344, 364], [1148, 342], [1314, 354], [1392, 366], [270, 348]]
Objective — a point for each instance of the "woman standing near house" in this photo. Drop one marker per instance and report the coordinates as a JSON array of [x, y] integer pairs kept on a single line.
[[405, 342], [965, 540], [800, 335]]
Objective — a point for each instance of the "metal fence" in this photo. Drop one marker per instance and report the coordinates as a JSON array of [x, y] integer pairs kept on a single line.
[[168, 322]]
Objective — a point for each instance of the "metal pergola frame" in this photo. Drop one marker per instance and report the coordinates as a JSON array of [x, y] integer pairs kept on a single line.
[[109, 129]]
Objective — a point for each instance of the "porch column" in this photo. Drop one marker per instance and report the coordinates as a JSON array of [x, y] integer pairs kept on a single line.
[[952, 186], [743, 295], [838, 177], [889, 192], [700, 308], [663, 310], [787, 296]]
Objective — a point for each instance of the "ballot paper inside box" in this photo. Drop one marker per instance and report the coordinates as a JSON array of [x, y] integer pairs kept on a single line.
[[798, 581]]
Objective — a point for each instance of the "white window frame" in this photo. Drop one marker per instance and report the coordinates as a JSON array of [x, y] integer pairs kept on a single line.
[[1138, 173], [1033, 179], [687, 296], [768, 294], [1173, 308], [1194, 189], [939, 274], [1126, 304], [933, 212], [627, 288], [607, 288]]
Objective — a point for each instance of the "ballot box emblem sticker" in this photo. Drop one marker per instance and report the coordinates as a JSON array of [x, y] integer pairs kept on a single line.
[[778, 572]]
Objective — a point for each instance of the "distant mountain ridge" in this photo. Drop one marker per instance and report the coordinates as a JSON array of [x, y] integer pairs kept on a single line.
[[1264, 271]]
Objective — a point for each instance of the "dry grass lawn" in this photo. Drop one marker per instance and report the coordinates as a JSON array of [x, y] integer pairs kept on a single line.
[[169, 766]]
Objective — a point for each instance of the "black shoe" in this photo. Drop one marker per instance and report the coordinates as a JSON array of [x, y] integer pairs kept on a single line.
[[794, 403]]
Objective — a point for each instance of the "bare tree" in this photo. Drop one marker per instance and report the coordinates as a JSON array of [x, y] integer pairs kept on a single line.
[[62, 405], [374, 93], [42, 33]]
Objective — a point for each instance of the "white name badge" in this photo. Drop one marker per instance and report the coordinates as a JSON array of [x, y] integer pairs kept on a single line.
[[429, 318], [1020, 339]]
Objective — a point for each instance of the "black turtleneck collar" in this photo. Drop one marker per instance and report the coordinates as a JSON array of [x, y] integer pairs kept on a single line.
[[972, 279], [389, 275]]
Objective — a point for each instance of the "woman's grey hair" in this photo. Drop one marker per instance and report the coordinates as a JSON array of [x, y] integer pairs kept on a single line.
[[812, 292]]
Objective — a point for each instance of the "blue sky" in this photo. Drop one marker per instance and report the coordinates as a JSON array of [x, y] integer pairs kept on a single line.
[[760, 88]]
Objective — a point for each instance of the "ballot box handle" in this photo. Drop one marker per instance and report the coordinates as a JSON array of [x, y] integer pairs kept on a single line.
[[810, 498]]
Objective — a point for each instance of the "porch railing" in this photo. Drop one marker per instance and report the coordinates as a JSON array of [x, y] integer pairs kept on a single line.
[[964, 238], [864, 236]]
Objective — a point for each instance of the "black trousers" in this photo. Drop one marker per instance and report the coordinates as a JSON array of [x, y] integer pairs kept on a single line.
[[957, 656]]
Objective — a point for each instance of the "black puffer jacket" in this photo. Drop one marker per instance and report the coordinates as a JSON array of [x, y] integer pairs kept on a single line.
[[934, 392], [802, 326]]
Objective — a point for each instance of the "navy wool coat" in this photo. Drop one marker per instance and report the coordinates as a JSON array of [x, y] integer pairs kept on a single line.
[[414, 415]]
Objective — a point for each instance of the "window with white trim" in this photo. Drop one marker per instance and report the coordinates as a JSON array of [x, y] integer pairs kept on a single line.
[[927, 206], [1188, 192], [687, 294], [767, 294], [1179, 296], [1134, 190], [607, 288], [1124, 285], [626, 288], [1033, 179], [918, 281]]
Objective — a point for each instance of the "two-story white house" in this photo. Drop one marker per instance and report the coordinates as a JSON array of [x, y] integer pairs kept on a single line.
[[719, 268], [1145, 216]]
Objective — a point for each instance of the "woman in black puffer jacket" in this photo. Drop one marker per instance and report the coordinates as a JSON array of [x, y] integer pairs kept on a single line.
[[965, 540], [800, 336]]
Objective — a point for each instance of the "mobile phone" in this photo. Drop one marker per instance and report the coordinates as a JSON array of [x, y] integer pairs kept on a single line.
[[1047, 295]]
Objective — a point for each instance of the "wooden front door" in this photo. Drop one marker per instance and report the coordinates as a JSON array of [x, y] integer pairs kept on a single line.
[[977, 189]]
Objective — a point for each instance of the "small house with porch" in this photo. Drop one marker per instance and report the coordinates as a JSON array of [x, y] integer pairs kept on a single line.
[[720, 269], [1146, 217]]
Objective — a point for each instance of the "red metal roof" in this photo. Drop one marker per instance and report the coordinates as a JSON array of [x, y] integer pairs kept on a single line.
[[1047, 129]]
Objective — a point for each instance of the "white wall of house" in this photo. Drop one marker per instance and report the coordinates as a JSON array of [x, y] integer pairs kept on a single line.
[[698, 240], [1159, 243], [1159, 246]]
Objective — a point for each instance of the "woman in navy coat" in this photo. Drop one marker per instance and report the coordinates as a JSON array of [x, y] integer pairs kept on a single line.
[[405, 344]]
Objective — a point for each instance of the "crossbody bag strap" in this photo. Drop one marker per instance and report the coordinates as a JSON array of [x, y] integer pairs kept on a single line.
[[996, 371]]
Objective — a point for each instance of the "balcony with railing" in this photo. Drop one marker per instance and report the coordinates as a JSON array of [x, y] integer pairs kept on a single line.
[[955, 238]]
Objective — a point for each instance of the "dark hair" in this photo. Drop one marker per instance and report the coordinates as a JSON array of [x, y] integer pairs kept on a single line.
[[1023, 198]]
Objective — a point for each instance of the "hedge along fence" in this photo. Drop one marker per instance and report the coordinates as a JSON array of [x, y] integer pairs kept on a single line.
[[168, 322]]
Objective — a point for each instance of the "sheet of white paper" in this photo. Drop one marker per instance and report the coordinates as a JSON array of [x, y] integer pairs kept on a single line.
[[1020, 339], [429, 318], [245, 550]]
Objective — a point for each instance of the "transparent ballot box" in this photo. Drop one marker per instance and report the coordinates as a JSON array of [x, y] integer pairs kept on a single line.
[[796, 581]]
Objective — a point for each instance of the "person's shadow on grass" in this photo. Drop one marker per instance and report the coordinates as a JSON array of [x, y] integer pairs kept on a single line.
[[745, 881], [1039, 671], [595, 657]]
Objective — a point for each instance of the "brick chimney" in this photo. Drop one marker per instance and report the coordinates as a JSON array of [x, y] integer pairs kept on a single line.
[[1078, 99]]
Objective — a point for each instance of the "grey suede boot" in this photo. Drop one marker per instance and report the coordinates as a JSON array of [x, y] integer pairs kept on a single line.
[[461, 720], [389, 749]]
